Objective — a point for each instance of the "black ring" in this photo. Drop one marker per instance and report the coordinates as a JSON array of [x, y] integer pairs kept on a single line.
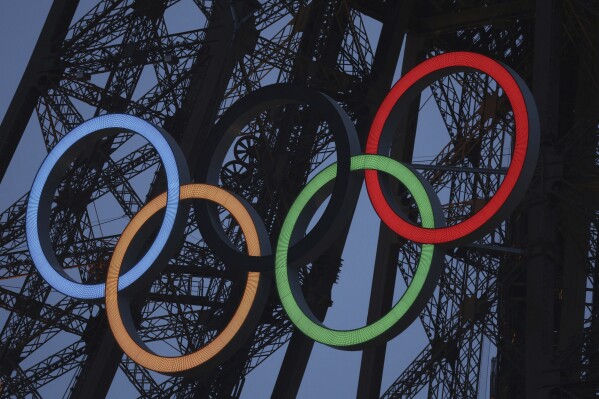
[[344, 195]]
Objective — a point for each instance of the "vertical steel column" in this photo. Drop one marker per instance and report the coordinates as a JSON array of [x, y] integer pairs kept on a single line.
[[385, 265], [580, 91], [384, 64], [575, 236], [542, 221], [324, 269]]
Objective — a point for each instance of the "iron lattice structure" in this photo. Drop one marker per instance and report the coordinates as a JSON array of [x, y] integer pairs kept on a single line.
[[526, 291]]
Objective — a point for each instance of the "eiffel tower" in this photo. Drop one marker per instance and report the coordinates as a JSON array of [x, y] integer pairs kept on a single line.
[[516, 313]]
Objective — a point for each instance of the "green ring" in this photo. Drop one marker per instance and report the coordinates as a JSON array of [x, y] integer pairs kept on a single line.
[[348, 339]]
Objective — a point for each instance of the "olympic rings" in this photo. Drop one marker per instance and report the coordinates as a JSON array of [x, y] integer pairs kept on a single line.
[[418, 292], [524, 157], [49, 175], [245, 317], [294, 246]]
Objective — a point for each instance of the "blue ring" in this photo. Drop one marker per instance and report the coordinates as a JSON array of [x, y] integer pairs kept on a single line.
[[119, 121]]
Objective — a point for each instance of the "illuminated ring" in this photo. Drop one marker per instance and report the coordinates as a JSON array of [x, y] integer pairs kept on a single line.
[[344, 195], [520, 171], [418, 292], [245, 317], [52, 171]]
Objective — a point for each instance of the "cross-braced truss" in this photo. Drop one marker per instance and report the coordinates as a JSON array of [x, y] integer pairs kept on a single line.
[[128, 56]]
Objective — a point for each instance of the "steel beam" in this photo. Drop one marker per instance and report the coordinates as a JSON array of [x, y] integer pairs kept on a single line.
[[494, 13], [385, 265], [540, 370], [324, 269], [43, 62]]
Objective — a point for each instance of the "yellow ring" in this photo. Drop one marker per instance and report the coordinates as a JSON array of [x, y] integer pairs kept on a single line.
[[173, 365]]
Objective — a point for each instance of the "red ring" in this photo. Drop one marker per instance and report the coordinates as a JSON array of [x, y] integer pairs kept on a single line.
[[463, 229]]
